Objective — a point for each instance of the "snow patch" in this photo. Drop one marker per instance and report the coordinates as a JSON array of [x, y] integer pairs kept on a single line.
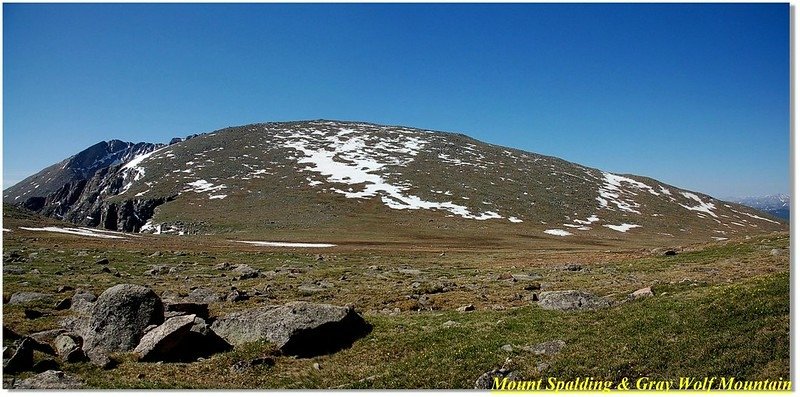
[[557, 232], [623, 227], [701, 207], [351, 160], [286, 244], [83, 231], [201, 186]]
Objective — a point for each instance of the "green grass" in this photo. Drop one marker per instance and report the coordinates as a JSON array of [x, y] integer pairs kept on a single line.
[[739, 330], [719, 309]]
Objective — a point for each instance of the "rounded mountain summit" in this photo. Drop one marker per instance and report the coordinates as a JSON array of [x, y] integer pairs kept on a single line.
[[350, 181]]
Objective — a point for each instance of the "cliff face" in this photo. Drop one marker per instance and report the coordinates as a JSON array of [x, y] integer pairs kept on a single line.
[[82, 166]]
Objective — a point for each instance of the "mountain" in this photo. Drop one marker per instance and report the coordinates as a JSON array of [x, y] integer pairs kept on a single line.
[[331, 180], [81, 166], [777, 205]]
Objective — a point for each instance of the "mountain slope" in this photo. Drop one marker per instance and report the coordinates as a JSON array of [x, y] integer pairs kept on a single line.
[[341, 180], [75, 168]]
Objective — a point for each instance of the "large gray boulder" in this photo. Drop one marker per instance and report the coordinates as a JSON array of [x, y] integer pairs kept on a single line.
[[118, 319], [50, 380], [299, 328], [571, 300]]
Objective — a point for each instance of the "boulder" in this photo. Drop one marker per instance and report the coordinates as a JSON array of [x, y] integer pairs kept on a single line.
[[571, 300], [22, 359], [68, 348], [162, 342], [50, 380], [118, 319], [204, 295], [298, 328], [202, 341], [47, 337], [245, 272], [26, 297], [198, 309], [63, 304]]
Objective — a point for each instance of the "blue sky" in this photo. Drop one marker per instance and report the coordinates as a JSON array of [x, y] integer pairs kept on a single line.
[[693, 95]]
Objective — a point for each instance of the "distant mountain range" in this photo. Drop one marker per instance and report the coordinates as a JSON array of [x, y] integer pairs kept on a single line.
[[350, 180], [777, 205]]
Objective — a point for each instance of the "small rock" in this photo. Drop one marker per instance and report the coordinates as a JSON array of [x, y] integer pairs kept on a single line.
[[320, 257], [548, 348], [245, 272], [541, 367], [486, 381], [573, 267], [50, 380], [532, 287], [571, 300], [31, 314], [242, 365], [103, 261], [507, 348], [105, 269], [237, 296], [68, 348], [317, 366], [309, 289], [670, 253], [641, 293], [467, 308], [776, 252], [26, 297], [204, 295], [154, 254], [11, 269], [64, 288], [449, 324]]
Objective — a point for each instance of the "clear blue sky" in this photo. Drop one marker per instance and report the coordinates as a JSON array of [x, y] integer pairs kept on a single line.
[[694, 95]]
